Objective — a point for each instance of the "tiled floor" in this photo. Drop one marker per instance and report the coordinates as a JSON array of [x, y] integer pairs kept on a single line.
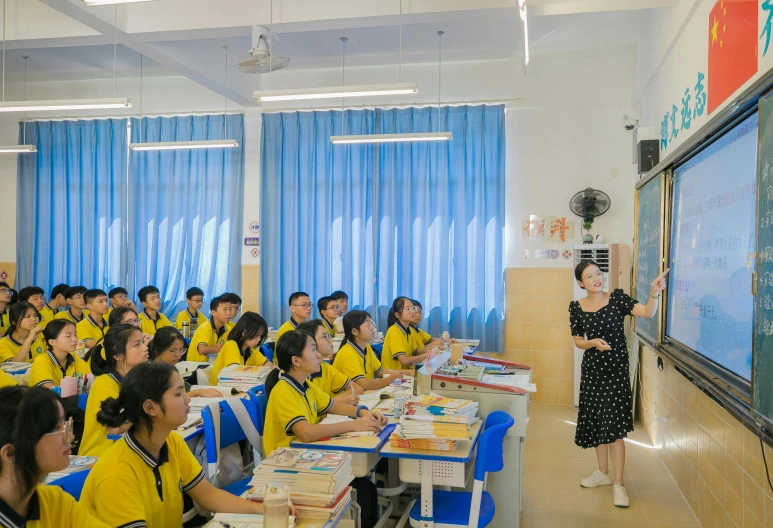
[[554, 466]]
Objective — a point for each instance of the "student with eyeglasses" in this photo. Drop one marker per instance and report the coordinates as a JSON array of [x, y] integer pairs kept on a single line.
[[328, 314], [124, 314], [5, 301], [243, 345], [76, 305], [300, 308], [194, 297], [399, 348], [36, 440]]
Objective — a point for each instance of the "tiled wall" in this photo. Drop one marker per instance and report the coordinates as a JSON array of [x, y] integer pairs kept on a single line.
[[10, 269], [537, 329], [250, 288], [715, 460]]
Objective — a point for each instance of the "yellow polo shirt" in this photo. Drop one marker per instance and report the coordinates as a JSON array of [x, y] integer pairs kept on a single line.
[[207, 335], [46, 316], [330, 328], [9, 348], [330, 380], [149, 326], [50, 506], [397, 342], [129, 487], [95, 440], [288, 326], [67, 314], [230, 355], [6, 380], [4, 323], [46, 369], [419, 338], [288, 404], [185, 317], [89, 329], [355, 363]]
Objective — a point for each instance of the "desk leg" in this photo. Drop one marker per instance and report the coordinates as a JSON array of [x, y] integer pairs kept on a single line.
[[427, 515]]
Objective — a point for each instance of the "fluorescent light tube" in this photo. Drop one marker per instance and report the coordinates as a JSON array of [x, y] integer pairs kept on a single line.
[[64, 104], [92, 3], [524, 19], [335, 92], [181, 145], [391, 138], [17, 149]]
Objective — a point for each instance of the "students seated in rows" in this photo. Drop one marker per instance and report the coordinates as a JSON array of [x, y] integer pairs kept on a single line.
[[92, 329], [23, 340], [242, 345], [300, 310], [151, 319], [5, 301], [124, 314], [119, 298], [210, 337], [342, 299], [236, 306], [192, 314], [58, 300], [140, 480], [328, 313], [168, 346], [295, 407], [329, 379], [399, 350], [35, 296], [355, 359], [35, 440], [59, 360], [123, 349], [76, 305]]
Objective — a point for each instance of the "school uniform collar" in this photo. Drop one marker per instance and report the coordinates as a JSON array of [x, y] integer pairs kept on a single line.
[[193, 317], [12, 340], [358, 349], [10, 519], [327, 325], [220, 332], [94, 323], [116, 377], [72, 316], [294, 384], [318, 374], [402, 328], [67, 362], [145, 456], [47, 306], [293, 323]]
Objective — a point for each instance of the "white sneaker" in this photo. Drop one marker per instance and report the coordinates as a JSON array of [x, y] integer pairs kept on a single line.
[[621, 499], [596, 479]]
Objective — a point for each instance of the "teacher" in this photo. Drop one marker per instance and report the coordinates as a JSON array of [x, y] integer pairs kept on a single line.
[[606, 410]]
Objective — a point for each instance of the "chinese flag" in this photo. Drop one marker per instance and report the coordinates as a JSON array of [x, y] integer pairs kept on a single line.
[[732, 48]]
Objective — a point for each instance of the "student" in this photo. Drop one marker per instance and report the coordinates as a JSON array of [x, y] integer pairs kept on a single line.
[[399, 351], [23, 340], [300, 308], [355, 359], [168, 346], [36, 297], [92, 329], [236, 305], [34, 441], [210, 337], [343, 307], [119, 298], [242, 345], [328, 313], [150, 318], [76, 310], [139, 481], [124, 314], [58, 300], [329, 379], [192, 314], [5, 302], [59, 361], [123, 349]]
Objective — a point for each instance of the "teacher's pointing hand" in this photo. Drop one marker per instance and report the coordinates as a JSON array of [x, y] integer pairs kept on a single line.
[[659, 284]]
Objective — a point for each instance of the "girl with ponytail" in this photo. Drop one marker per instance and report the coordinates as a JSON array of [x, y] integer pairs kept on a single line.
[[356, 359], [23, 340], [140, 480], [123, 348], [399, 347]]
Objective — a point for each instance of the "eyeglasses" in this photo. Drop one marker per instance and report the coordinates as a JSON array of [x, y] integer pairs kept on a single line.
[[78, 297], [177, 351], [304, 305], [327, 336], [65, 429], [131, 321], [369, 323], [5, 291], [409, 309]]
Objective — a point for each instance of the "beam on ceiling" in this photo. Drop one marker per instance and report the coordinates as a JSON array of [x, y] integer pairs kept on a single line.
[[571, 7]]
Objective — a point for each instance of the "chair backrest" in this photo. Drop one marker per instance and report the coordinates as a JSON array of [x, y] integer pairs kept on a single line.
[[258, 397], [82, 400], [268, 351], [491, 444], [230, 430]]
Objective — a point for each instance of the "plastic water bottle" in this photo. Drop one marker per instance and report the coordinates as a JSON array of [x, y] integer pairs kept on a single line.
[[445, 338], [276, 507]]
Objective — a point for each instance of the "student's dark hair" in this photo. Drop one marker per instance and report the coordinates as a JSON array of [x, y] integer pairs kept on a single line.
[[249, 326], [217, 301], [117, 290], [16, 313], [164, 338], [14, 297], [27, 414], [353, 320], [230, 298], [290, 345], [323, 302], [116, 316], [580, 269], [59, 289], [90, 295], [72, 291], [193, 292], [3, 283], [235, 299], [295, 296], [310, 327], [54, 328], [148, 381], [29, 291], [339, 295], [397, 306], [114, 345], [145, 291], [417, 304]]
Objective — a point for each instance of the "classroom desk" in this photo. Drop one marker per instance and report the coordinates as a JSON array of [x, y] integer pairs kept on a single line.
[[463, 454]]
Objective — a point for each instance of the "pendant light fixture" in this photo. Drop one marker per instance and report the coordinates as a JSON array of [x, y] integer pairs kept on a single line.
[[525, 32], [404, 137], [23, 148], [188, 145]]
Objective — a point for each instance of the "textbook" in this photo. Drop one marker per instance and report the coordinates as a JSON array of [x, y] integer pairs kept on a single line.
[[241, 520], [307, 461]]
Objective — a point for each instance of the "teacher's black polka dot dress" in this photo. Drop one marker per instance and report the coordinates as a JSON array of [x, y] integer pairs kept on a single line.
[[605, 413]]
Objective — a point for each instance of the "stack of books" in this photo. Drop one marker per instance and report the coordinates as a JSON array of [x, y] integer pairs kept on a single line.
[[242, 377], [318, 480], [77, 463], [435, 423], [242, 520]]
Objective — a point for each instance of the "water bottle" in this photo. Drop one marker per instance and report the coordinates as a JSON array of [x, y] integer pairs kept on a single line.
[[186, 330], [399, 407], [276, 507], [445, 338], [194, 325]]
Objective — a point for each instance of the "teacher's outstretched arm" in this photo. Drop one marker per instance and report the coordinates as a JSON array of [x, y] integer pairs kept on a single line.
[[651, 308]]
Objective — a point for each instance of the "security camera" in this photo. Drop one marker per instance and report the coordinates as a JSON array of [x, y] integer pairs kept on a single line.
[[630, 122]]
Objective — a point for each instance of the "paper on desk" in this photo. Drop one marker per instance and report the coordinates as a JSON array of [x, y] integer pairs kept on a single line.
[[521, 381], [337, 418]]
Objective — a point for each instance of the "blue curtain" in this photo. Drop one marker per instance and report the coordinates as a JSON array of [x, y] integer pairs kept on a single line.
[[185, 208], [424, 220], [70, 213]]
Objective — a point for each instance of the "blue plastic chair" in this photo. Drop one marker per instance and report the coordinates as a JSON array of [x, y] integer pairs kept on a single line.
[[82, 400], [73, 483], [258, 397], [377, 349], [230, 433], [472, 509]]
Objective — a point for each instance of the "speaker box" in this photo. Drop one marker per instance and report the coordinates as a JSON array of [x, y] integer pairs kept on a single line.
[[649, 155]]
